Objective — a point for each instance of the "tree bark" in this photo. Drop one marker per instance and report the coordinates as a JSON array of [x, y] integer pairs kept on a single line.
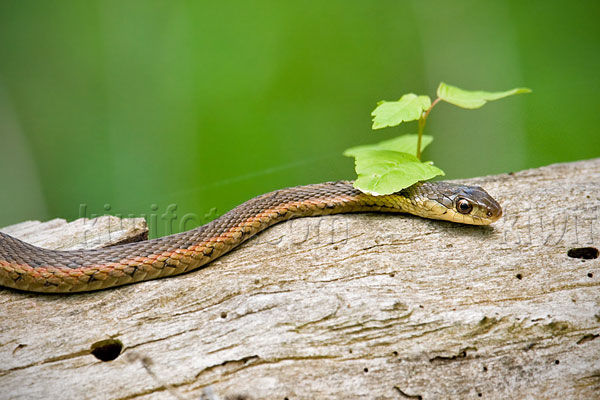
[[348, 306]]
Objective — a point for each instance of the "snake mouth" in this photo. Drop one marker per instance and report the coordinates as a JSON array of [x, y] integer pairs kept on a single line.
[[473, 219]]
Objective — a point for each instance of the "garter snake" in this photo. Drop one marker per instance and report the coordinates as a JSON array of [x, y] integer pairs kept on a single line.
[[27, 267]]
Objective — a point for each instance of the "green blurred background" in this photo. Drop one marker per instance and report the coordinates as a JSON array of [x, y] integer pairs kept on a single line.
[[142, 105]]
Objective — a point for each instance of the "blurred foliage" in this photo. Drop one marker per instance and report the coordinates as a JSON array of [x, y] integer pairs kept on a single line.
[[130, 107]]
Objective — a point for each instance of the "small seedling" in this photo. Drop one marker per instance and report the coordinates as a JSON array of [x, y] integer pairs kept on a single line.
[[392, 165]]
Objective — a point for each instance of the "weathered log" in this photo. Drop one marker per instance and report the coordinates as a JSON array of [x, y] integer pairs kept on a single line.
[[347, 306], [83, 233]]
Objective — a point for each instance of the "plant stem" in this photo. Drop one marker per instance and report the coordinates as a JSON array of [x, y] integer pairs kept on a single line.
[[421, 127], [422, 122]]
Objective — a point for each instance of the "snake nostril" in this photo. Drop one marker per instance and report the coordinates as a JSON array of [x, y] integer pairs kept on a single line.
[[106, 350]]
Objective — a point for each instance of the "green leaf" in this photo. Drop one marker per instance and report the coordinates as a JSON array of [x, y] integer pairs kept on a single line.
[[404, 144], [392, 113], [472, 99], [384, 171]]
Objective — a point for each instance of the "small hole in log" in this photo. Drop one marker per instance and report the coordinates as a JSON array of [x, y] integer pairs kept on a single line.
[[106, 350], [479, 394], [484, 368], [366, 369], [556, 362], [395, 353], [587, 253], [519, 276], [223, 314], [590, 275]]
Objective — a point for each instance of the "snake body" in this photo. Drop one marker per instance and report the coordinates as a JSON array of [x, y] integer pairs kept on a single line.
[[30, 268]]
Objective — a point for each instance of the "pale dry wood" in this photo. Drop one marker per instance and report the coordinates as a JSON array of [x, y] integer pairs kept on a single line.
[[83, 233], [348, 306]]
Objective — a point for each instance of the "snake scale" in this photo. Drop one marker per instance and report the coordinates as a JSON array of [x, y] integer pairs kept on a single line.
[[30, 268]]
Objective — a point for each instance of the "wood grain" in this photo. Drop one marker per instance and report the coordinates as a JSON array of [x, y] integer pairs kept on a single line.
[[347, 306]]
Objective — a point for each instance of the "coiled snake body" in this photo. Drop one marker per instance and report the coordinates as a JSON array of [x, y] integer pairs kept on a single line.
[[27, 267]]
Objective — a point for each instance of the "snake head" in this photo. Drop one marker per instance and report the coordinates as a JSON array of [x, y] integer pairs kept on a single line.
[[459, 203]]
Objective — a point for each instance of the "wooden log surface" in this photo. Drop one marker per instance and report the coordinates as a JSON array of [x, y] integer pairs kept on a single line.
[[83, 233], [346, 306]]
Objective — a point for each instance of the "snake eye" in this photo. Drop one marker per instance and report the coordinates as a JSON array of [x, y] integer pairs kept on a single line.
[[464, 206]]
